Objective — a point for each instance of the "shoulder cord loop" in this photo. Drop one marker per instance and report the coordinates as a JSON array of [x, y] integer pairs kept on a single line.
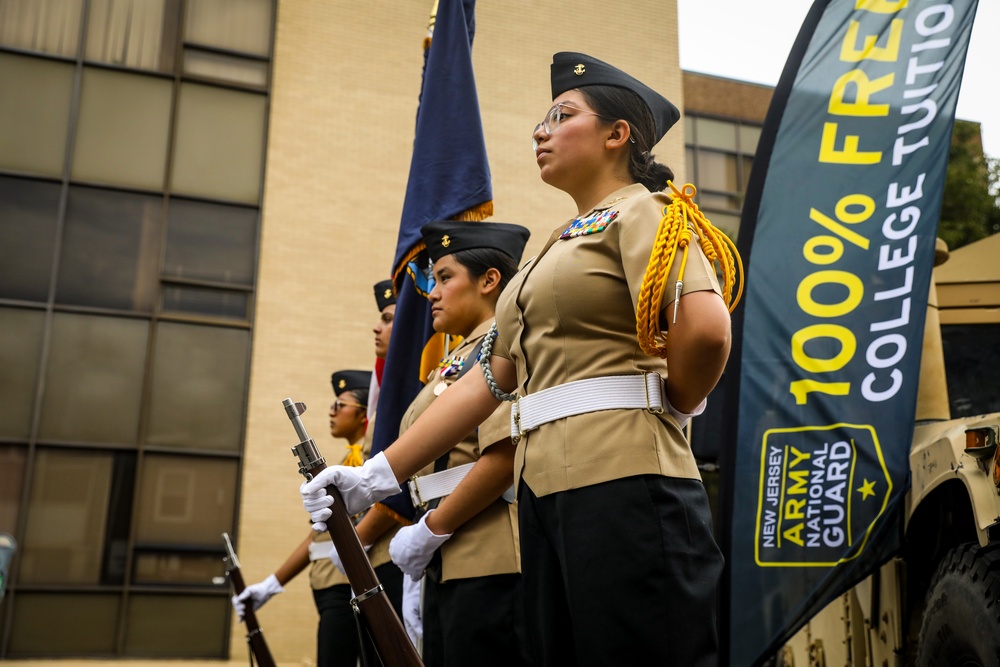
[[681, 220], [484, 361]]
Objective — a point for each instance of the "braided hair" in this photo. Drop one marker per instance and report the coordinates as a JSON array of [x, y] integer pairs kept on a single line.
[[612, 102]]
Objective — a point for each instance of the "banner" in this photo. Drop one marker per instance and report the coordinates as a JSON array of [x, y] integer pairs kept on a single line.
[[449, 180], [838, 232]]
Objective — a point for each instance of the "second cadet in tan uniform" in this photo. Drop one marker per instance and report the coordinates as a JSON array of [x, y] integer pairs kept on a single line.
[[472, 605]]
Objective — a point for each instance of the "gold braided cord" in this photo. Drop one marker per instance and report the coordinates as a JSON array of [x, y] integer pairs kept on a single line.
[[353, 458], [682, 220]]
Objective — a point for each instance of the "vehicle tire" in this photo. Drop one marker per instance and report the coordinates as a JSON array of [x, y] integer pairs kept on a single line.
[[961, 626]]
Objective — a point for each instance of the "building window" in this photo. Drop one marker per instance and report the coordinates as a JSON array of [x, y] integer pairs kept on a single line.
[[132, 138], [719, 157], [47, 26], [122, 129], [34, 114]]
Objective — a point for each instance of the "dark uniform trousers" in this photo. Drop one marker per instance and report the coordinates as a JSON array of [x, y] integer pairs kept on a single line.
[[474, 622], [620, 573], [337, 639]]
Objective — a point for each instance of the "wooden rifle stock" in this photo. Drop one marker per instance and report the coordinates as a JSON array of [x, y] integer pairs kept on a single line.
[[255, 637], [391, 641]]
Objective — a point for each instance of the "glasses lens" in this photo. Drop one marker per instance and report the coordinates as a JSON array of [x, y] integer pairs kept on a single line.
[[550, 124], [552, 119]]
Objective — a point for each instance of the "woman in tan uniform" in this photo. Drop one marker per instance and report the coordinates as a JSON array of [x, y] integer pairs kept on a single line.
[[618, 559], [467, 524]]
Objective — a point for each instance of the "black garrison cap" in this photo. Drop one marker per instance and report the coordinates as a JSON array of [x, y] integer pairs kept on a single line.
[[350, 381], [447, 236], [384, 296], [576, 70]]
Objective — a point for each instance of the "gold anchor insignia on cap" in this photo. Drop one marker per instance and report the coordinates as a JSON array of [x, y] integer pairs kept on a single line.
[[579, 69], [342, 384], [445, 241], [386, 294]]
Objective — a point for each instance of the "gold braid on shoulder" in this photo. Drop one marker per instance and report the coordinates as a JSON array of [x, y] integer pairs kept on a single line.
[[682, 221]]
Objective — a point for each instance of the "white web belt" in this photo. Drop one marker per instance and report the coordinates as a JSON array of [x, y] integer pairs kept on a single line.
[[320, 550], [612, 392], [436, 485]]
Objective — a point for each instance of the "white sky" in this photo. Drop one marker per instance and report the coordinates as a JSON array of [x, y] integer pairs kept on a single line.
[[731, 38]]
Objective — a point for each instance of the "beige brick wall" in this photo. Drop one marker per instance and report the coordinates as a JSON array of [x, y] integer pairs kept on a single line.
[[346, 80], [718, 96]]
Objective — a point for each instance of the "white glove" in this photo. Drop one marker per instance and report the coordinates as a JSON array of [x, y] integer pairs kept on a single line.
[[339, 564], [360, 486], [413, 619], [259, 593], [413, 546], [684, 417]]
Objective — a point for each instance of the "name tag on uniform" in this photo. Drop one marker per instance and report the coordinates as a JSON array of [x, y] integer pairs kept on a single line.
[[592, 224]]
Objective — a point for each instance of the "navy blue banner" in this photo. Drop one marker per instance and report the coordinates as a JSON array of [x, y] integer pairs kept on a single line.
[[838, 232], [449, 180]]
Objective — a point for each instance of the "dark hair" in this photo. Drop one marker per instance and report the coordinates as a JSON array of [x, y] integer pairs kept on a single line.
[[479, 260], [614, 103], [360, 395]]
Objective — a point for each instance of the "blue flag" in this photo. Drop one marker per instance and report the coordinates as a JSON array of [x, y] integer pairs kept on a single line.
[[844, 197], [449, 180]]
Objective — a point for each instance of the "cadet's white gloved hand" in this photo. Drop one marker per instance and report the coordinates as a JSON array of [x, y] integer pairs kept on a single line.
[[339, 564], [360, 486], [413, 546], [684, 417], [413, 619], [258, 593]]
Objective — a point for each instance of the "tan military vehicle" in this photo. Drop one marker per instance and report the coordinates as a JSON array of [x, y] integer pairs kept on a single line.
[[938, 602]]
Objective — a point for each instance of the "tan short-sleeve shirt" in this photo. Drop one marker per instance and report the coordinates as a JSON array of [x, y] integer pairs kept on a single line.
[[487, 544], [570, 315]]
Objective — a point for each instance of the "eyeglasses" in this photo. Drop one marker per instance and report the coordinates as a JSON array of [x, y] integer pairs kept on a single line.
[[338, 404], [554, 117]]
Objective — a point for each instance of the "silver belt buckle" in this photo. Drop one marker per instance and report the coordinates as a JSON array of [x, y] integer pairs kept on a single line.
[[418, 502], [516, 412], [649, 406]]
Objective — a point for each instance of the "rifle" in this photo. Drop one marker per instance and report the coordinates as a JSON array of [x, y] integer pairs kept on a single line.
[[255, 637], [372, 604]]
